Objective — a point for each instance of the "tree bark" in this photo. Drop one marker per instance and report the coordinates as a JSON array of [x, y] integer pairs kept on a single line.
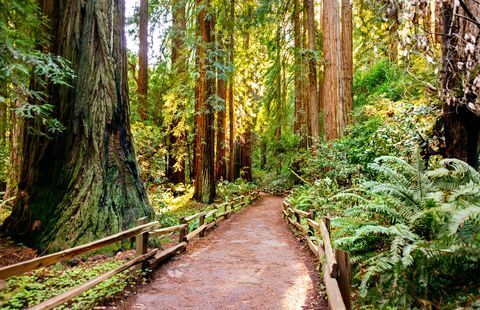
[[300, 126], [205, 117], [347, 60], [332, 51], [312, 78], [177, 136], [231, 105], [221, 162], [143, 62], [84, 183], [460, 65]]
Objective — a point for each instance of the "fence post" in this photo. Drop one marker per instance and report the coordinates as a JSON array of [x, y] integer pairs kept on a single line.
[[326, 220], [311, 215], [201, 222], [297, 217], [183, 233], [226, 209], [343, 262], [141, 242]]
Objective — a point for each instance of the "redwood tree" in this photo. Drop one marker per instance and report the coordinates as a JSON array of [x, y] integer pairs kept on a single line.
[[177, 138], [204, 114], [461, 79], [231, 107], [221, 162], [84, 183], [312, 75], [142, 82]]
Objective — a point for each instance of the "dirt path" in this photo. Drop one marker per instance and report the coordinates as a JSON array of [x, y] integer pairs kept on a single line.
[[252, 261]]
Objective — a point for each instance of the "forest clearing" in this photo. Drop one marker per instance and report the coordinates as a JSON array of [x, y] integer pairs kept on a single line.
[[254, 154]]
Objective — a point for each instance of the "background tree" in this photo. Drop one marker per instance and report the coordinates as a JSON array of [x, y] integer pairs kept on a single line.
[[460, 79], [143, 61]]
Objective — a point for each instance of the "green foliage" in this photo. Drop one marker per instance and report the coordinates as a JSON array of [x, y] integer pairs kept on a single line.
[[42, 284], [381, 80], [150, 153], [414, 234]]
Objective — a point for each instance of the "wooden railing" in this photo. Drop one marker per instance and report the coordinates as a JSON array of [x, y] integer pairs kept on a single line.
[[142, 233], [336, 266]]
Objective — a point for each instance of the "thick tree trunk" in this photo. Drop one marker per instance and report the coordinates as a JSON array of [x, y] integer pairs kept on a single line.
[[143, 62], [312, 77], [177, 136], [460, 66], [205, 120], [84, 183], [17, 126], [333, 116], [347, 60], [231, 106], [221, 162]]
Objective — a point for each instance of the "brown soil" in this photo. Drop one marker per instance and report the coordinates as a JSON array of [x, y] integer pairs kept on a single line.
[[252, 261]]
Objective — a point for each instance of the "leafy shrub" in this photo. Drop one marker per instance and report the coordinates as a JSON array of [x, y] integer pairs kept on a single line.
[[150, 152], [415, 234], [381, 80]]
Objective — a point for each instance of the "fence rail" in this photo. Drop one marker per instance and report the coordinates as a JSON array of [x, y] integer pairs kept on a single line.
[[144, 256], [336, 266]]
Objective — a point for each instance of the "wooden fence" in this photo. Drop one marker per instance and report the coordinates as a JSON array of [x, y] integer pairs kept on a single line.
[[143, 232], [336, 266]]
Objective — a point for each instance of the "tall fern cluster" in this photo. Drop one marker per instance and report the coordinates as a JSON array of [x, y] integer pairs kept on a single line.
[[415, 234]]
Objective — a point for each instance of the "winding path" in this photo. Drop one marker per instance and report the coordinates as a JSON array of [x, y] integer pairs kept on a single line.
[[251, 261]]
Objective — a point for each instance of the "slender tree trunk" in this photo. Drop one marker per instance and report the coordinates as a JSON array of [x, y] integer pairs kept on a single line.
[[177, 136], [221, 163], [313, 91], [347, 60], [143, 62], [332, 87], [231, 105], [84, 183], [300, 115], [246, 155], [461, 109], [205, 120]]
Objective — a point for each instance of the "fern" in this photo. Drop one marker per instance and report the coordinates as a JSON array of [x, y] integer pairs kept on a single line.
[[414, 234]]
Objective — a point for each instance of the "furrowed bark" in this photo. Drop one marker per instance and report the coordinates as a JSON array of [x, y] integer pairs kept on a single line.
[[460, 65], [84, 183], [205, 117]]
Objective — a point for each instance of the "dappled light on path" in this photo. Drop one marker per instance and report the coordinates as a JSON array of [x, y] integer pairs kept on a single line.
[[251, 261]]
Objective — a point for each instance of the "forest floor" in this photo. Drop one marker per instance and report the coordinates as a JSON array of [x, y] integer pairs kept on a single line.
[[251, 261]]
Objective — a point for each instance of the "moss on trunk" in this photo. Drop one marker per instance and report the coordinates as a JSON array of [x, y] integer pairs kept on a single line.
[[84, 183]]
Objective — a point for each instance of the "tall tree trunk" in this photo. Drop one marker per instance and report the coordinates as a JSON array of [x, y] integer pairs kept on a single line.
[[231, 106], [300, 115], [205, 120], [221, 164], [84, 183], [347, 60], [332, 52], [143, 62], [177, 136], [313, 91], [246, 155], [460, 66]]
